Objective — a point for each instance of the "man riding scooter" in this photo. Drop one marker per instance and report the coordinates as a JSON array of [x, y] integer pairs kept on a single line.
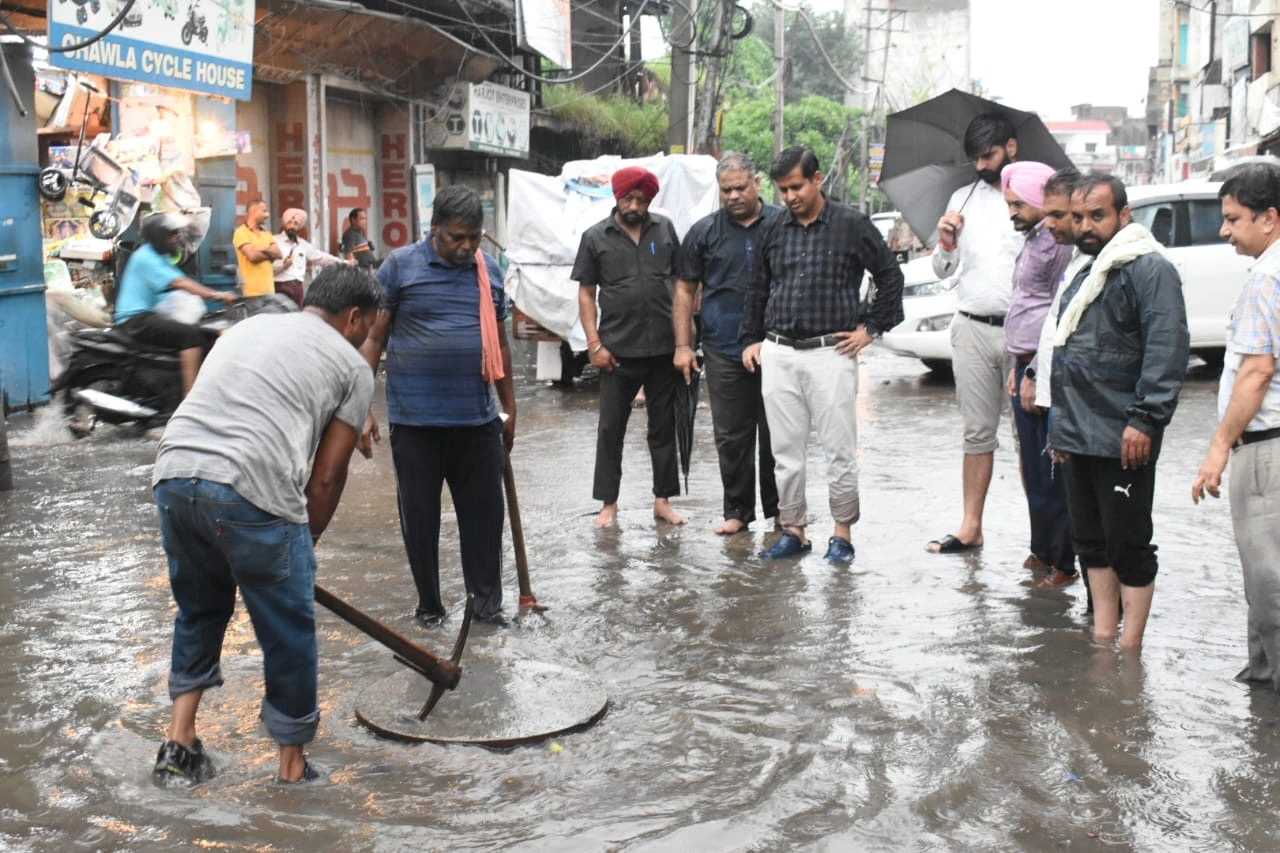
[[148, 277]]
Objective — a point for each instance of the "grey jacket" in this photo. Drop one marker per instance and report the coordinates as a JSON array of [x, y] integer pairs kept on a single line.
[[1125, 363]]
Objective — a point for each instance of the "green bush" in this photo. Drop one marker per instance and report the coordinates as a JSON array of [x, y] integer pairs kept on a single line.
[[631, 129]]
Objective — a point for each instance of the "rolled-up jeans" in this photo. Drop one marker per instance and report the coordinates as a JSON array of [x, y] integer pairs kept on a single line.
[[818, 389], [217, 541]]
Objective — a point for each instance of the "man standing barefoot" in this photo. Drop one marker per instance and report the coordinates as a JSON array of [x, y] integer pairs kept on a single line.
[[630, 257], [720, 252]]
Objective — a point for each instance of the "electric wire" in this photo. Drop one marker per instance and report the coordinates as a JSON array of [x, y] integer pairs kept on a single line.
[[70, 48], [605, 56]]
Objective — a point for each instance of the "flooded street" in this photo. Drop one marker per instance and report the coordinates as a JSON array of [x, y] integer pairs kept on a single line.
[[914, 702]]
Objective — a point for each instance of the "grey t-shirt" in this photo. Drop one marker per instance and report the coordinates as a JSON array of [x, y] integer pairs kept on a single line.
[[259, 407]]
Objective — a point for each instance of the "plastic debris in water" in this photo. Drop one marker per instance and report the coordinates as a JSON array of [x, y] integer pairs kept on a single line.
[[555, 748]]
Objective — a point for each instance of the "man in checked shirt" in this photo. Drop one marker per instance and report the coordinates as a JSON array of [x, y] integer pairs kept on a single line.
[[804, 328]]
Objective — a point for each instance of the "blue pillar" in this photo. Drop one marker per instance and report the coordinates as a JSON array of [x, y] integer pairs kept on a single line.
[[24, 343]]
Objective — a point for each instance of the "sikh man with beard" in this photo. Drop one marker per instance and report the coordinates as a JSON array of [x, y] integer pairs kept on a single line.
[[1036, 277], [977, 245], [1120, 349], [720, 252], [297, 253], [630, 257]]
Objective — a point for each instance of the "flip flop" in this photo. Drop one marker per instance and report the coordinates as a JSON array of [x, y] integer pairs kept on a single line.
[[949, 544]]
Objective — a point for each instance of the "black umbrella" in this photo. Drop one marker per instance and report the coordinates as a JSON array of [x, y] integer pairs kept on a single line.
[[686, 408], [924, 159]]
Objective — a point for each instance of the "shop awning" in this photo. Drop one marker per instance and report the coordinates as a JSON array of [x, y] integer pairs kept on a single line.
[[396, 54]]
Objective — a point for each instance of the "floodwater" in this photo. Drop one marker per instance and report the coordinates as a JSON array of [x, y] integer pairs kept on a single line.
[[914, 701]]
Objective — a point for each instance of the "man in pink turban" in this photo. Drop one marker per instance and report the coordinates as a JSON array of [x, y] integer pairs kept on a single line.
[[296, 254], [1037, 275], [628, 258]]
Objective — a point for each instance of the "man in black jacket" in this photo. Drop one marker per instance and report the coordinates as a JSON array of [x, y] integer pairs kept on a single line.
[[1120, 355]]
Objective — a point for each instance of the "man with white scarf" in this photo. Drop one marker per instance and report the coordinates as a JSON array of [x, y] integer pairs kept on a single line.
[[1120, 350]]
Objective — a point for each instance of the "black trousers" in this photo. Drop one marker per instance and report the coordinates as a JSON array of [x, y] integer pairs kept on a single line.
[[470, 460], [1042, 481], [737, 417], [1111, 515], [617, 391]]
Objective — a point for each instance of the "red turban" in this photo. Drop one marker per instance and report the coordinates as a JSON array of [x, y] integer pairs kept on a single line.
[[635, 178]]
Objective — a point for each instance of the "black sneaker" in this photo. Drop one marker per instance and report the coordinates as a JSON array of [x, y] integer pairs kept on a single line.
[[309, 774], [427, 619], [175, 761]]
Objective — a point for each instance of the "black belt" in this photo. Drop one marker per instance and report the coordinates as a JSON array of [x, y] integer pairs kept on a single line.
[[1256, 436], [804, 343], [979, 318]]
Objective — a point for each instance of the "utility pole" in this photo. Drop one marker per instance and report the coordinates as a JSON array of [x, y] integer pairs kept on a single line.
[[679, 100], [867, 106], [636, 77], [779, 75]]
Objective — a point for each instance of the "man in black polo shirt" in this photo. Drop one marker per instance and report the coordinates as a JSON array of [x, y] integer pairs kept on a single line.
[[719, 252], [805, 328], [630, 257]]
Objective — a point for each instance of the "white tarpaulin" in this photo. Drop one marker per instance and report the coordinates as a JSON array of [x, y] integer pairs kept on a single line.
[[547, 214]]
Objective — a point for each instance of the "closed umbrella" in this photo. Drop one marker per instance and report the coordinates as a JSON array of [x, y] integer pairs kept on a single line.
[[686, 408], [924, 159]]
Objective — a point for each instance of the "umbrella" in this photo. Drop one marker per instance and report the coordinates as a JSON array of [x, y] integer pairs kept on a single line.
[[686, 408], [924, 159]]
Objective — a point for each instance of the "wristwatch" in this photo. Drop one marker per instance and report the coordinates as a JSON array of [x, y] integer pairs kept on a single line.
[[1030, 372]]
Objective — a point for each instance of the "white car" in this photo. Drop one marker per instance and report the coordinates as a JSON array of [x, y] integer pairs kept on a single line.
[[1184, 217]]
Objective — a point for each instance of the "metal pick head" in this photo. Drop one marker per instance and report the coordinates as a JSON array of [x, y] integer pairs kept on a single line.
[[437, 690]]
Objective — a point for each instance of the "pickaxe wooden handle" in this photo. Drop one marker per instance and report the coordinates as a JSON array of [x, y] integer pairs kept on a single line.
[[528, 601], [443, 674]]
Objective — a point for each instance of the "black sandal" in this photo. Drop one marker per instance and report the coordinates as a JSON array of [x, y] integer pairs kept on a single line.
[[949, 544]]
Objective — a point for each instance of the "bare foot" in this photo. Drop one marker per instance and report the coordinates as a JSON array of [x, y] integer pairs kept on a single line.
[[730, 526], [664, 511], [608, 515]]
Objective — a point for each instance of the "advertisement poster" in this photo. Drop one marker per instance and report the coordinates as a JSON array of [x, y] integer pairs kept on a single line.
[[543, 26], [491, 118], [184, 44], [424, 194]]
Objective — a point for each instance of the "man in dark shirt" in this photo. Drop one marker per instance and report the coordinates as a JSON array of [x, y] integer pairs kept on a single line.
[[356, 245], [805, 327], [720, 252], [630, 257]]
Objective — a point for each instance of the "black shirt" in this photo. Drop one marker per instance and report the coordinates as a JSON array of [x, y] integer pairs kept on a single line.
[[723, 254], [810, 277], [353, 237], [635, 282]]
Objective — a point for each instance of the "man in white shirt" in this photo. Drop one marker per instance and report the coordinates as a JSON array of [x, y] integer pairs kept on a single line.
[[295, 254], [978, 245], [1249, 410]]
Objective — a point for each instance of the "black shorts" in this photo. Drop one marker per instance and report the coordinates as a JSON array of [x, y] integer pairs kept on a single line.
[[163, 332], [1111, 516]]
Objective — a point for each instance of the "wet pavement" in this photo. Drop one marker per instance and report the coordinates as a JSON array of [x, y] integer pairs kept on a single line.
[[913, 702]]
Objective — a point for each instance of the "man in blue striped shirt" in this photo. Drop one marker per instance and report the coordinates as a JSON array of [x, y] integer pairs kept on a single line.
[[444, 414]]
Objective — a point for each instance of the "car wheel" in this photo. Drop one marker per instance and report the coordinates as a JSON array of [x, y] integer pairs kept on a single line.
[[940, 368]]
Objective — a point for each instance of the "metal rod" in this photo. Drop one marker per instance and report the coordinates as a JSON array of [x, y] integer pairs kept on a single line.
[[6, 473], [437, 670]]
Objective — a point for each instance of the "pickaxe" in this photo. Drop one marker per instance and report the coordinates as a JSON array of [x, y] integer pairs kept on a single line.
[[443, 674]]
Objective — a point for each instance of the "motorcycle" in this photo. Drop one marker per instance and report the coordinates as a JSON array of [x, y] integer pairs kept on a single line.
[[113, 378], [195, 26]]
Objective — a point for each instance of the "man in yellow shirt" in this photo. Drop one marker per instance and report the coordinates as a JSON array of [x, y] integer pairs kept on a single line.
[[255, 250]]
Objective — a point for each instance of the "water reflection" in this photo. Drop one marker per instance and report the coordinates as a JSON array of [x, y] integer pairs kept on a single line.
[[913, 701]]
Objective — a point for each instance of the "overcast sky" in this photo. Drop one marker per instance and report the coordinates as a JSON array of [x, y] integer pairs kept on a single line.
[[1046, 55]]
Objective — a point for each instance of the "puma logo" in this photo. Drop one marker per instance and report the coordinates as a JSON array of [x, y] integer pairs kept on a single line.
[[1124, 490]]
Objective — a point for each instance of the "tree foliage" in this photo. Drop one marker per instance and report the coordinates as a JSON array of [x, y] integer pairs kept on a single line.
[[809, 74], [814, 121]]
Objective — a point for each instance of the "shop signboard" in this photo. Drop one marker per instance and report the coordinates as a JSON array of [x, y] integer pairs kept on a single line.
[[543, 26], [182, 44], [493, 119]]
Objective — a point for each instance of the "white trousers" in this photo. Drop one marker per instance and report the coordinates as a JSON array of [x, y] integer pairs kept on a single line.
[[812, 389]]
